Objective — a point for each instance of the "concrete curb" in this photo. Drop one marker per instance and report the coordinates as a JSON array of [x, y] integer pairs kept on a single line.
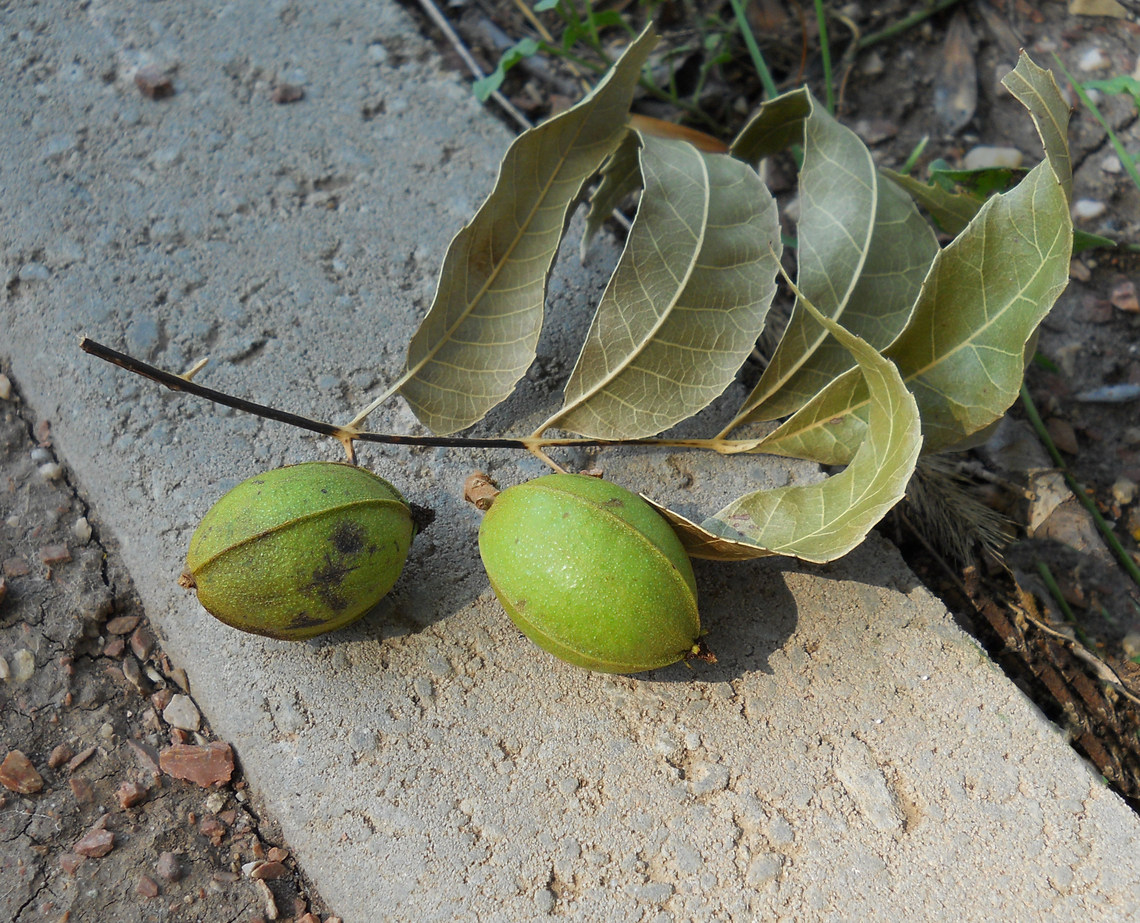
[[853, 754]]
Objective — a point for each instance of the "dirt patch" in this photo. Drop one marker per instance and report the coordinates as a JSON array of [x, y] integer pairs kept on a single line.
[[118, 803]]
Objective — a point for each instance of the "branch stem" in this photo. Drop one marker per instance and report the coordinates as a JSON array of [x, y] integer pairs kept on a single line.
[[346, 435]]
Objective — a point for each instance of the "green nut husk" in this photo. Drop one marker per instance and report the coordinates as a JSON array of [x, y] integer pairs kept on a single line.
[[591, 573], [300, 550]]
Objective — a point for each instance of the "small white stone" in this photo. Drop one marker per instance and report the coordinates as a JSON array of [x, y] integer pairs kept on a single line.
[[182, 713], [987, 156], [872, 65], [82, 529], [5, 673], [40, 455], [1124, 491], [52, 471], [215, 802], [1094, 60], [1111, 164], [5, 387], [1088, 209], [12, 522], [23, 665]]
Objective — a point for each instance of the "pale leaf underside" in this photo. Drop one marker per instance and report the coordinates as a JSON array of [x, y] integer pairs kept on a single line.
[[838, 199], [479, 337], [686, 302], [962, 353], [822, 522]]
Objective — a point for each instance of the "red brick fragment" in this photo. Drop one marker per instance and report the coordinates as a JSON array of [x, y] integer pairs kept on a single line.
[[60, 755], [269, 870], [16, 567], [17, 774], [79, 759], [131, 794], [153, 82], [55, 554], [142, 642], [95, 843], [212, 764], [122, 624]]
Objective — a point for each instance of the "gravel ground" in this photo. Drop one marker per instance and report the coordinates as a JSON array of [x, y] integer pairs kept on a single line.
[[118, 802]]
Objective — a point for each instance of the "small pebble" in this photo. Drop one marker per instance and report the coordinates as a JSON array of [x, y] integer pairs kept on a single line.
[[1124, 491], [1079, 271], [270, 903], [142, 642], [40, 455], [79, 759], [82, 530], [3, 590], [95, 843], [168, 866], [872, 65], [1088, 209], [181, 713], [1063, 435], [212, 764], [1111, 164], [17, 774], [285, 93], [5, 387], [122, 624], [153, 82], [1093, 60], [1123, 296], [130, 794], [52, 471], [147, 887], [269, 870], [60, 755], [133, 674], [23, 665], [988, 157], [55, 554]]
